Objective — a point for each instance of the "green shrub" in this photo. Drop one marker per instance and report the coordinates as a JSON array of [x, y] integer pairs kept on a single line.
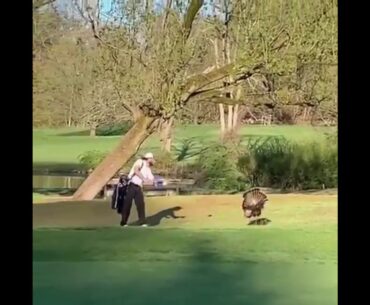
[[114, 129], [219, 171], [276, 162], [268, 162], [332, 137], [165, 164], [187, 149], [90, 159]]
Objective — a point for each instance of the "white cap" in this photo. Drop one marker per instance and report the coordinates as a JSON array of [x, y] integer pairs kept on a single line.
[[148, 156]]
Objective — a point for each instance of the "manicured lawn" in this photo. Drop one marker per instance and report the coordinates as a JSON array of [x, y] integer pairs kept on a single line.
[[207, 256], [59, 148]]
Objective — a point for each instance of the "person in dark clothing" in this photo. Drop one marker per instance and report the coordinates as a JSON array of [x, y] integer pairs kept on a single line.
[[139, 175]]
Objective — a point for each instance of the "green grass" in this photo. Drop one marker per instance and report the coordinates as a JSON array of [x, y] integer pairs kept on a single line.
[[81, 256], [45, 197], [58, 149], [36, 197]]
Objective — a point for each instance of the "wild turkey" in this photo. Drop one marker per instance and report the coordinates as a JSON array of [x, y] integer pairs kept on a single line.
[[253, 203]]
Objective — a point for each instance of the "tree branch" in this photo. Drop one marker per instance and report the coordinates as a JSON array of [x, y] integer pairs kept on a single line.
[[36, 4], [167, 11], [126, 106], [94, 27], [198, 83], [193, 9]]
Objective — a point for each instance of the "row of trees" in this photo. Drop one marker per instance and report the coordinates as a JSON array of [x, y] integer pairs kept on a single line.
[[65, 95], [156, 65]]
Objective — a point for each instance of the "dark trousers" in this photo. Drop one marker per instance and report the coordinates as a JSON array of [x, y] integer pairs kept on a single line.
[[134, 192]]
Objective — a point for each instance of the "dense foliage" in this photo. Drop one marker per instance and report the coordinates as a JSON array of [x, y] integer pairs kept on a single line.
[[262, 161]]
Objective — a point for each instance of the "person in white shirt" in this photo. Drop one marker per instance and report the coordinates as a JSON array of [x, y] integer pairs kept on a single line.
[[139, 175]]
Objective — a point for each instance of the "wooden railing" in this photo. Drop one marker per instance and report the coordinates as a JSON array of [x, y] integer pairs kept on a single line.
[[171, 187]]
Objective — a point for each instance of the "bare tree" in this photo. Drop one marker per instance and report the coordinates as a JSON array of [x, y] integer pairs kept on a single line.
[[165, 87], [154, 65]]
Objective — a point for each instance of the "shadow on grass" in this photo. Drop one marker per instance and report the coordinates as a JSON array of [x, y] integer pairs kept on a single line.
[[165, 267], [200, 279], [156, 219], [205, 279], [97, 213], [78, 133], [259, 222]]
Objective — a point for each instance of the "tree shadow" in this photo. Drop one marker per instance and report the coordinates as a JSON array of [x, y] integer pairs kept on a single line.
[[259, 222], [77, 133], [202, 278], [156, 219], [208, 278], [201, 273]]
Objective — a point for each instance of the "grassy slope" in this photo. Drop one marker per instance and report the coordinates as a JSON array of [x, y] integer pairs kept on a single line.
[[59, 149], [198, 259]]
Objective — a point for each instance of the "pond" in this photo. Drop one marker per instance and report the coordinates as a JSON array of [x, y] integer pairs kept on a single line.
[[50, 181], [56, 181], [68, 183]]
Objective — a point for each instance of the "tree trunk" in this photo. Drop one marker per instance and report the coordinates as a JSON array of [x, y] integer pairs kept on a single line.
[[166, 135], [230, 118], [168, 144], [127, 147], [196, 114], [70, 114], [220, 106], [92, 131], [236, 109], [227, 60], [195, 118], [222, 119], [235, 117]]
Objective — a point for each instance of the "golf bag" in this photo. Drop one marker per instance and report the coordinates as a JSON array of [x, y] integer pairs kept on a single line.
[[119, 194]]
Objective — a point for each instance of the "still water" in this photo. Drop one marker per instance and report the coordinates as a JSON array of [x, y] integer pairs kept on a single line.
[[55, 181]]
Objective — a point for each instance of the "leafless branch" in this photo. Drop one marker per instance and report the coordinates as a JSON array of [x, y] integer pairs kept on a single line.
[[127, 107], [36, 4], [198, 83], [167, 11], [94, 27]]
